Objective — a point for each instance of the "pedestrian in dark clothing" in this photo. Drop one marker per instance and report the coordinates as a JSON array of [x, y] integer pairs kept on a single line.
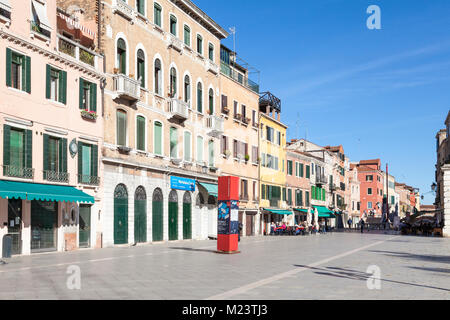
[[239, 234], [362, 225], [350, 223]]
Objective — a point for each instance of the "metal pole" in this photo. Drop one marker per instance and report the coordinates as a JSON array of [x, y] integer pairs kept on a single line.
[[387, 192]]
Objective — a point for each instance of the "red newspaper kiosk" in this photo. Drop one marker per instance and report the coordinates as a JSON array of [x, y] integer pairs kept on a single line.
[[228, 215]]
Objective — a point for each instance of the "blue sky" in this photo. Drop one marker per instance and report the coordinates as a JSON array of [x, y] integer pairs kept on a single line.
[[380, 93]]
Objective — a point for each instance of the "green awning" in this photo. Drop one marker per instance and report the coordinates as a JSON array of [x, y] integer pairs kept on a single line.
[[43, 192], [324, 212], [213, 189], [287, 212], [301, 210]]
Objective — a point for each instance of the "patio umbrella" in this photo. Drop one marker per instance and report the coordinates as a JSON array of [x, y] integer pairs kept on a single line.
[[309, 218], [316, 218]]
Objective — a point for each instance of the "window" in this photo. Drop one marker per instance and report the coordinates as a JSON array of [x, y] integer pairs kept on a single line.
[[140, 133], [211, 52], [235, 148], [224, 145], [307, 172], [187, 36], [254, 154], [369, 178], [224, 104], [121, 127], [244, 190], [87, 163], [56, 83], [140, 67], [55, 159], [88, 95], [299, 198], [173, 82], [369, 191], [254, 191], [279, 138], [211, 101], [235, 110], [199, 44], [289, 167], [157, 14], [40, 22], [158, 77], [18, 71], [173, 25], [199, 149], [254, 123], [199, 98], [17, 152], [157, 138], [369, 205], [140, 6], [243, 112], [187, 90], [187, 146], [289, 197], [121, 56], [211, 153], [173, 143]]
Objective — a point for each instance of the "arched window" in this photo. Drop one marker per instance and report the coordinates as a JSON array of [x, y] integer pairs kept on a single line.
[[121, 128], [187, 197], [173, 25], [140, 133], [173, 82], [157, 143], [158, 77], [199, 97], [140, 67], [187, 90], [121, 56], [211, 101], [173, 196]]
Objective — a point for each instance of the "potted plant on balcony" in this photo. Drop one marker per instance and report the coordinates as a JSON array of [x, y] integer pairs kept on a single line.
[[89, 115], [225, 110], [116, 70], [227, 153], [246, 157]]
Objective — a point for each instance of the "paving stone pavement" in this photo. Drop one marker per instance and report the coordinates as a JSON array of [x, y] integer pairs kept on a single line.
[[330, 266]]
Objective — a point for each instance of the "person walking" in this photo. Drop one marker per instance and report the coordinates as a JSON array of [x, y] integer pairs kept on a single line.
[[240, 230], [350, 223], [362, 225]]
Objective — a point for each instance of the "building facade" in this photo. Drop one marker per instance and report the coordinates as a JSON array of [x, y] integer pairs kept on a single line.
[[371, 186], [51, 123]]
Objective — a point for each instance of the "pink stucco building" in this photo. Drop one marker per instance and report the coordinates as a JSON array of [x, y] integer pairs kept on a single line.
[[51, 128]]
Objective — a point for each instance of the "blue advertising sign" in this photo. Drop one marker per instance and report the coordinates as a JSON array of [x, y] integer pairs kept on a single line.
[[228, 218], [182, 184]]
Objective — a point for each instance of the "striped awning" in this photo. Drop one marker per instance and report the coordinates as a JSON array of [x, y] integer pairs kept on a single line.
[[89, 33], [213, 189], [278, 211]]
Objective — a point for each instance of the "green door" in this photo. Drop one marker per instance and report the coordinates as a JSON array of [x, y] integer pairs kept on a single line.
[[120, 215], [140, 216], [173, 216], [187, 216], [84, 238], [157, 215]]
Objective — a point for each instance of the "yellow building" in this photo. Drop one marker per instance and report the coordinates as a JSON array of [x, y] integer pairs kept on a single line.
[[272, 171]]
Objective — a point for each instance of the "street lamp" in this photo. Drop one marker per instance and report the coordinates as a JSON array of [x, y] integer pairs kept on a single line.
[[433, 186]]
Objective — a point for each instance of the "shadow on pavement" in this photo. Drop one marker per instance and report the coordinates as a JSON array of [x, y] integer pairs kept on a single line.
[[194, 250], [442, 270], [431, 258], [358, 275]]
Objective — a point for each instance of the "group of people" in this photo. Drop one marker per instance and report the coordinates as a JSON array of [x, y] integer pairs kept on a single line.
[[299, 227], [361, 224]]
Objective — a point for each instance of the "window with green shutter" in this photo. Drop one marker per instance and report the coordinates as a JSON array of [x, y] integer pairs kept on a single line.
[[87, 163], [199, 44], [141, 68], [88, 95], [140, 133], [187, 36], [173, 143], [307, 172], [289, 196], [157, 140], [121, 127], [173, 25], [211, 52], [263, 192], [56, 84], [17, 152], [199, 149], [157, 14], [140, 6], [307, 199], [187, 146], [18, 71], [301, 168], [199, 98]]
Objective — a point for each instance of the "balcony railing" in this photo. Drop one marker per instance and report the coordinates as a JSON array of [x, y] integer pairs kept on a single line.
[[55, 176], [76, 51], [212, 67], [215, 123], [88, 180], [18, 172], [333, 187], [123, 9], [239, 77], [321, 179], [178, 109], [126, 87], [175, 43]]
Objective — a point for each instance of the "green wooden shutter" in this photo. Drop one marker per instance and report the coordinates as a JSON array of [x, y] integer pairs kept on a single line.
[[48, 78], [63, 155], [141, 7], [158, 139], [8, 66], [28, 74], [29, 149], [80, 159], [63, 87], [93, 102], [140, 132], [94, 160], [46, 154], [6, 144], [81, 93]]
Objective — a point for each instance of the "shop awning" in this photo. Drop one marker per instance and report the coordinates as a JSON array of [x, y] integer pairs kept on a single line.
[[43, 192], [213, 189], [286, 212], [301, 210], [324, 212]]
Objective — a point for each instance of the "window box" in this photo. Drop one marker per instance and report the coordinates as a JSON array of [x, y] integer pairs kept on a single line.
[[88, 115], [123, 149], [213, 169], [176, 162]]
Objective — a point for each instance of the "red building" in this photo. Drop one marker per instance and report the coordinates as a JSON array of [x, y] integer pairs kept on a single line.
[[371, 186]]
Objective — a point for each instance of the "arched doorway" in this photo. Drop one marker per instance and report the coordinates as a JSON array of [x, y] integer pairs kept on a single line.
[[157, 215], [173, 215], [120, 214], [187, 216], [140, 215]]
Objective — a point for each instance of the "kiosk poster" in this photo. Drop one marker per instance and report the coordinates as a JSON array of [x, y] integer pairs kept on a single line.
[[223, 219], [234, 223]]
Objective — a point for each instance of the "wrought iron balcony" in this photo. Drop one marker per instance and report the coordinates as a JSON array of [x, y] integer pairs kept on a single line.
[[175, 43], [18, 172], [55, 176], [88, 180], [76, 51], [320, 179], [178, 109], [126, 87], [215, 123], [122, 8]]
